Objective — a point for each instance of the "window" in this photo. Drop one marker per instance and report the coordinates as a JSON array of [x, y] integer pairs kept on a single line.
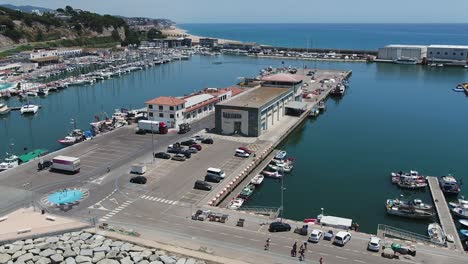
[[171, 115], [438, 53], [160, 107], [150, 114], [461, 54], [231, 115], [150, 106], [171, 108], [430, 52], [177, 115], [446, 53], [161, 115], [454, 54]]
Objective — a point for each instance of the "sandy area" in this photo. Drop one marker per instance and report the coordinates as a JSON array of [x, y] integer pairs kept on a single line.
[[178, 32], [31, 221]]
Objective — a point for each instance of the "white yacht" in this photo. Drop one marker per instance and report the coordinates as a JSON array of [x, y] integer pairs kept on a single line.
[[29, 109], [403, 60], [4, 109]]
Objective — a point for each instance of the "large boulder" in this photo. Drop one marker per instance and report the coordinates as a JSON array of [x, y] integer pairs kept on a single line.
[[126, 247], [46, 253], [28, 241], [69, 253], [43, 260], [112, 254], [190, 261], [146, 254], [126, 260], [102, 249], [52, 240], [117, 244], [137, 248], [65, 237], [156, 262], [85, 236], [28, 247], [26, 257], [70, 260], [86, 252], [19, 242], [167, 259], [35, 251], [98, 237], [82, 259], [181, 261], [4, 258], [56, 258], [43, 245], [108, 261], [13, 249], [18, 254], [98, 256]]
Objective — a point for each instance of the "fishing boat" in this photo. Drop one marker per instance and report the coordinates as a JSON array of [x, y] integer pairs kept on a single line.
[[73, 137], [339, 90], [32, 155], [281, 155], [464, 232], [43, 92], [449, 185], [459, 88], [408, 212], [314, 112], [463, 222], [411, 180], [257, 180], [235, 204], [415, 203], [396, 176], [436, 233], [280, 167], [461, 212], [29, 109], [322, 106], [403, 60], [9, 163], [247, 191], [31, 93], [4, 109], [460, 203]]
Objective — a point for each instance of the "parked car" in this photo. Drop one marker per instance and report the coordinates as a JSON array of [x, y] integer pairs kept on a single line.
[[328, 235], [207, 141], [315, 236], [187, 154], [279, 227], [44, 164], [175, 148], [188, 142], [341, 238], [179, 157], [162, 155], [192, 150], [138, 180], [213, 178], [197, 146], [246, 150], [202, 185], [374, 244], [199, 138], [241, 153]]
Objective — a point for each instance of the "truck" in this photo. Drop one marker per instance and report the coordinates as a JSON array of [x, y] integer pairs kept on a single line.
[[138, 169], [66, 164], [152, 126]]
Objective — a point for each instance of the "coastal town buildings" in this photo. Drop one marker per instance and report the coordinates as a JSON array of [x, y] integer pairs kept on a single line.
[[260, 107], [208, 42], [177, 110], [46, 56], [452, 54]]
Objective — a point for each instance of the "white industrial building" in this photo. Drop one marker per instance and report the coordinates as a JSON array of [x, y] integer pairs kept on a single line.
[[49, 53], [393, 52], [447, 53]]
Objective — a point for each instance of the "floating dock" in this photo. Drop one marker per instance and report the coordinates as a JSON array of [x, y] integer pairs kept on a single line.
[[443, 212]]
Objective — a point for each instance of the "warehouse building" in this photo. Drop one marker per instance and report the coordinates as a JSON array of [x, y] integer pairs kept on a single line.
[[447, 53], [394, 52], [259, 108]]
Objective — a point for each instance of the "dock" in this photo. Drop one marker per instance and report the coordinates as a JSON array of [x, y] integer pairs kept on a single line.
[[443, 213]]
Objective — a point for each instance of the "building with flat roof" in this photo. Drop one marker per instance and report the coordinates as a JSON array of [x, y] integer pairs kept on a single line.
[[257, 109], [447, 53], [208, 42], [393, 52]]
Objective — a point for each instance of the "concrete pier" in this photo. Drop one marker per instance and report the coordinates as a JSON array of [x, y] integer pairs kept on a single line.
[[443, 212]]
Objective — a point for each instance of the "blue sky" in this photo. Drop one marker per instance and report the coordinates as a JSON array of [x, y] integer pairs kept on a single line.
[[274, 11]]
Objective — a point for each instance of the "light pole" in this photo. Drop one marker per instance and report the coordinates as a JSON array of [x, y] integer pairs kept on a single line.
[[282, 194], [152, 141], [322, 211]]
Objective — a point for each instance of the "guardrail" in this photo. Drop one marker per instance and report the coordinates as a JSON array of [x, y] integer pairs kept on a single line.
[[389, 231]]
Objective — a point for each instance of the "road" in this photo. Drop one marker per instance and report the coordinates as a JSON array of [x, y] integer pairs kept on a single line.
[[161, 209]]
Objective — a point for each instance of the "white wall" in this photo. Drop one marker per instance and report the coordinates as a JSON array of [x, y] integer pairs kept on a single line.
[[171, 122], [459, 54], [227, 124], [393, 53]]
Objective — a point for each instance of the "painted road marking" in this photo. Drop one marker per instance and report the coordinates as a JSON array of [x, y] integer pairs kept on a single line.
[[360, 261], [115, 211], [340, 257], [157, 199]]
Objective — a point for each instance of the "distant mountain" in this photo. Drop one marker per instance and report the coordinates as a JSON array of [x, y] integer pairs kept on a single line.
[[27, 8]]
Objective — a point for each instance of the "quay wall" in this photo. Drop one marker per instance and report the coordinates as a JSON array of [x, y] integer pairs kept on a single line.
[[321, 50]]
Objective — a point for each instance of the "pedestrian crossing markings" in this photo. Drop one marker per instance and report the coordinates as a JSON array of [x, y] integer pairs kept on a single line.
[[156, 199]]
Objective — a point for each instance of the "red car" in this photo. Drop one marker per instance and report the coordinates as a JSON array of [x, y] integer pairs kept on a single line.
[[197, 146], [246, 150]]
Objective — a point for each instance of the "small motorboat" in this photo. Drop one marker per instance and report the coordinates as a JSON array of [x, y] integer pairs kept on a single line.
[[314, 112], [29, 109], [449, 185], [281, 155], [458, 88], [322, 106], [43, 92], [247, 191], [257, 180], [461, 212], [463, 222], [68, 140], [9, 163], [271, 174], [4, 109], [436, 233], [464, 232], [31, 93], [408, 212], [235, 204]]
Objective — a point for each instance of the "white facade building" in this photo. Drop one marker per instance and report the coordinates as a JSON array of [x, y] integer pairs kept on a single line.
[[393, 52], [169, 110], [447, 52], [48, 53]]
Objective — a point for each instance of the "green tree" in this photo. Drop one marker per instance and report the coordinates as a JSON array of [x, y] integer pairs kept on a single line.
[[115, 35], [69, 9], [39, 35], [60, 10]]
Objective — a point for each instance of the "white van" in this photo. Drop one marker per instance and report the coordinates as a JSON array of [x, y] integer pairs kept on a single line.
[[216, 172], [241, 153]]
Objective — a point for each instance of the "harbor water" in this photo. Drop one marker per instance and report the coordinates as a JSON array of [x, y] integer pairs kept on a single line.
[[393, 117]]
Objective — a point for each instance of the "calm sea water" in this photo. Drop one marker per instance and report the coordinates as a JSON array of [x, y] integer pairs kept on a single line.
[[392, 118], [339, 36]]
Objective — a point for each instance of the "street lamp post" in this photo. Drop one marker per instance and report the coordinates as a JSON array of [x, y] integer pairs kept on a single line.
[[152, 142], [282, 194]]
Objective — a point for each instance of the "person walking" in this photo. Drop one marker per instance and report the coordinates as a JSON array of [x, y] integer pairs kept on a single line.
[[267, 245], [301, 252], [321, 260], [294, 250], [305, 246]]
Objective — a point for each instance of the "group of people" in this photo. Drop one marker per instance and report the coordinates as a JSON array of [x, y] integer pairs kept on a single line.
[[294, 251]]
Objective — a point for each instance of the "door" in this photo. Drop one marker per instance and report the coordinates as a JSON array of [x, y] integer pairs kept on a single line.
[[237, 127]]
